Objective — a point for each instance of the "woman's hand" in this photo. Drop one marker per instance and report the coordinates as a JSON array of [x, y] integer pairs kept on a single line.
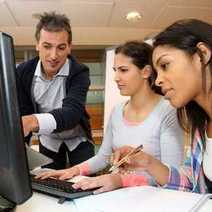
[[119, 153], [144, 161], [139, 160], [62, 174], [103, 183]]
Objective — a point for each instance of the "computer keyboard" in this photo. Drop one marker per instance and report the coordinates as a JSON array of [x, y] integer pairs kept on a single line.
[[58, 188]]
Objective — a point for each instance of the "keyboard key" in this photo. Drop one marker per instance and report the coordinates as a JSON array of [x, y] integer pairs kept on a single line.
[[58, 188]]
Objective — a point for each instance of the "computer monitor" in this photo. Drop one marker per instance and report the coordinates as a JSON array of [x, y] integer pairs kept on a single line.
[[15, 183]]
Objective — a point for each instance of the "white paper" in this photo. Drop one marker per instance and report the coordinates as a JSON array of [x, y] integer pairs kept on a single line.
[[141, 199]]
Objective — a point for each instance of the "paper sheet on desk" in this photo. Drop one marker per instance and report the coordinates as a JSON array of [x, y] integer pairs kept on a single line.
[[140, 199]]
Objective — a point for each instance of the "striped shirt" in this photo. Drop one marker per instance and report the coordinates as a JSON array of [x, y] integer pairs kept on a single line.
[[190, 176]]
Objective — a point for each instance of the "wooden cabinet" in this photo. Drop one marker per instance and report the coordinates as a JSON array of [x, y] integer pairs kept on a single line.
[[96, 112]]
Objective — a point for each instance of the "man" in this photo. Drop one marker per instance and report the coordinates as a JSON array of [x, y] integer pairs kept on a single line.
[[52, 94]]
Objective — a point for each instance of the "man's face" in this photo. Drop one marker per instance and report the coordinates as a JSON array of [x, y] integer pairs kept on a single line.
[[53, 48]]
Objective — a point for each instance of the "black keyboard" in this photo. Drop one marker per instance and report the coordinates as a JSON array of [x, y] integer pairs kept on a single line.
[[58, 188]]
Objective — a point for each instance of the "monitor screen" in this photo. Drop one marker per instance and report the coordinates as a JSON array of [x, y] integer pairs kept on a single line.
[[14, 174]]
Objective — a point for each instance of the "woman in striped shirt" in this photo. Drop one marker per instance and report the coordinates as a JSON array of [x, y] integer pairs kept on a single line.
[[182, 59]]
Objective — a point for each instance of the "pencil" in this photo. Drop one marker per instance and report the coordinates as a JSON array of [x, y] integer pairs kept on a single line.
[[124, 159]]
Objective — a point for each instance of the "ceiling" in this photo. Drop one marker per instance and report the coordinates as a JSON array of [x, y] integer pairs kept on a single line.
[[97, 23]]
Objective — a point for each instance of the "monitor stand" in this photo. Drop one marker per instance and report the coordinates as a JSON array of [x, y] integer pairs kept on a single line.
[[6, 205]]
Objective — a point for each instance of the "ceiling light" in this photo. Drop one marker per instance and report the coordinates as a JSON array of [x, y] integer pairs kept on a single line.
[[133, 16]]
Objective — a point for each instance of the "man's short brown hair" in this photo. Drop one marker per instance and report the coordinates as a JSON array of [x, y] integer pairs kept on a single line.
[[53, 22]]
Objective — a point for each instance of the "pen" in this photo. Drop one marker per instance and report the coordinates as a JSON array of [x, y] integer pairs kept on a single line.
[[123, 160]]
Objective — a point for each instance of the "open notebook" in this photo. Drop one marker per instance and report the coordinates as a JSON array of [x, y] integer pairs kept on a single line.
[[143, 198]]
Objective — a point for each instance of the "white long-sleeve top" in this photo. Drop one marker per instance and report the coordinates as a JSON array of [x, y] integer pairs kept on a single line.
[[159, 133]]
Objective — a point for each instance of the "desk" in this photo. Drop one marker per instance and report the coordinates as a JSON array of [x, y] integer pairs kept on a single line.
[[207, 207], [43, 203]]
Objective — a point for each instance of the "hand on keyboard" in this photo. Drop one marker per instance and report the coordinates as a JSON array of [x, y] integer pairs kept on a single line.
[[57, 184], [63, 174], [103, 183], [58, 188]]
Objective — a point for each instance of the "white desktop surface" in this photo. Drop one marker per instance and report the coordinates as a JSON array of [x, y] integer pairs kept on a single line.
[[207, 207], [44, 203]]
